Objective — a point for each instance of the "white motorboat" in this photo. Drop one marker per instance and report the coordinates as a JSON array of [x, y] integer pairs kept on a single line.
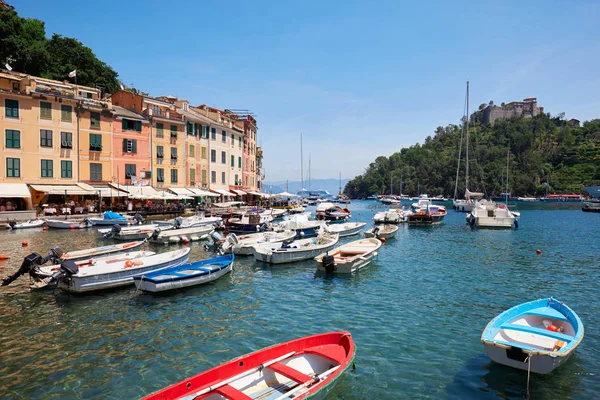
[[395, 215], [110, 218], [301, 224], [68, 224], [42, 276], [382, 232], [303, 249], [105, 275], [349, 257], [181, 235], [32, 223], [345, 229], [242, 245], [489, 214], [190, 222], [134, 232]]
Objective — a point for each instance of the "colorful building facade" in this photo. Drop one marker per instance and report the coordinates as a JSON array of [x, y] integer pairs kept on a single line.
[[131, 146]]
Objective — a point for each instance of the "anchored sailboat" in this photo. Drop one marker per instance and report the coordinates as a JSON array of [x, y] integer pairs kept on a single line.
[[466, 204]]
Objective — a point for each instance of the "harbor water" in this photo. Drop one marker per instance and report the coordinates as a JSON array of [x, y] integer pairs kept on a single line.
[[416, 315]]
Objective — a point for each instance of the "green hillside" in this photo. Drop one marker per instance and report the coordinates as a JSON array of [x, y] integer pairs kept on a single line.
[[542, 149]]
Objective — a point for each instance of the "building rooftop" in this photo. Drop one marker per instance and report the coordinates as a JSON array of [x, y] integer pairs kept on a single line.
[[127, 113]]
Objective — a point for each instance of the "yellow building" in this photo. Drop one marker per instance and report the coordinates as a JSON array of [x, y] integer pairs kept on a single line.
[[46, 128]]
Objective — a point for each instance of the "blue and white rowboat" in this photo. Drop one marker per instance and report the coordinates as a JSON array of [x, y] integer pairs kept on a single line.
[[538, 336], [185, 275]]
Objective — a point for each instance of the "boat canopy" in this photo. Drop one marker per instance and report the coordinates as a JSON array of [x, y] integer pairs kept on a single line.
[[113, 215], [228, 204], [14, 190]]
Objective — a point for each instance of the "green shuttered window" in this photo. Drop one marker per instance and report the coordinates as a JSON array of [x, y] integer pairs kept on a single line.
[[13, 139], [13, 167], [95, 142], [66, 169], [11, 108], [47, 169]]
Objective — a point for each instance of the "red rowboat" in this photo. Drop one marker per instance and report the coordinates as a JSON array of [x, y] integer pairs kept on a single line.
[[300, 369]]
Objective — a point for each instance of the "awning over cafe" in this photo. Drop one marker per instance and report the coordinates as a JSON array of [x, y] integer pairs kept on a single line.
[[63, 190], [223, 192], [8, 190]]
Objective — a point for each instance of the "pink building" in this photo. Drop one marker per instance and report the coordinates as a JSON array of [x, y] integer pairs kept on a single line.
[[131, 144]]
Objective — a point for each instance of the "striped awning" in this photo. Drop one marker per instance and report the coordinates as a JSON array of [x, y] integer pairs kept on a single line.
[[240, 192]]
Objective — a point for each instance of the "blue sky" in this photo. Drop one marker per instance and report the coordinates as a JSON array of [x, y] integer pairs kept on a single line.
[[358, 79]]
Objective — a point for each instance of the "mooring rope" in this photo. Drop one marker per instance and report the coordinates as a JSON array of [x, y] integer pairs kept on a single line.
[[528, 361]]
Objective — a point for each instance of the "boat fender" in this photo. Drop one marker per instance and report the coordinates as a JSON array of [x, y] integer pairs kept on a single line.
[[329, 263], [24, 244], [538, 251], [382, 240], [471, 220], [138, 262], [4, 257], [185, 239], [128, 264], [174, 239], [516, 223]]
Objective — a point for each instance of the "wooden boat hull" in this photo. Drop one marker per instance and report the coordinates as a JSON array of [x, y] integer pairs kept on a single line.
[[121, 276], [305, 368], [281, 255], [101, 251], [350, 257], [185, 275], [426, 219], [537, 336]]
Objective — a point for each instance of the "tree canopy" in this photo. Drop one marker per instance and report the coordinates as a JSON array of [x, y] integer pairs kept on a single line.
[[543, 150], [25, 47]]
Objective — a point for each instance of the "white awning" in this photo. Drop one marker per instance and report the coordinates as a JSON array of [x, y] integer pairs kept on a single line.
[[178, 196], [223, 192], [181, 191], [240, 192], [14, 190], [200, 192], [62, 189], [108, 191], [228, 204]]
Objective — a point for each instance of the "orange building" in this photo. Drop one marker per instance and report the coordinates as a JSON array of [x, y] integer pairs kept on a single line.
[[131, 146]]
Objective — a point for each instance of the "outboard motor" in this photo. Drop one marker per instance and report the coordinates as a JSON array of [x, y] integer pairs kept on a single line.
[[12, 224], [55, 254], [116, 228], [214, 242], [87, 221], [138, 218], [29, 264], [230, 241], [329, 263], [155, 234], [178, 222]]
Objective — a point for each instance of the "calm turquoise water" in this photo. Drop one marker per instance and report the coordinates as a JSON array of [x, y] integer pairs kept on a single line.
[[416, 315]]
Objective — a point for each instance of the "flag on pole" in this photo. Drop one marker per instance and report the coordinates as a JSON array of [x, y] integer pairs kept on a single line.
[[73, 73], [8, 67]]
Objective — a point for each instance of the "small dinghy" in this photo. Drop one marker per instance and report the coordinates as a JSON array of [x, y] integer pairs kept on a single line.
[[183, 235], [537, 336], [303, 249], [129, 233], [346, 228], [69, 224], [33, 223], [242, 245], [106, 275], [382, 232], [304, 368], [349, 257], [195, 273]]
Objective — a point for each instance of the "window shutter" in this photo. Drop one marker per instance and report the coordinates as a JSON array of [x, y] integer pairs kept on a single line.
[[134, 146], [138, 126], [124, 145]]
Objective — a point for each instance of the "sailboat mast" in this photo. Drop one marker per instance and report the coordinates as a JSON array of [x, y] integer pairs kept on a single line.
[[401, 175], [301, 168], [340, 184], [309, 173], [506, 191], [467, 152]]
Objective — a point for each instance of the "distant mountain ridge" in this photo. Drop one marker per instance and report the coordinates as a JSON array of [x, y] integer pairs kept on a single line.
[[331, 185]]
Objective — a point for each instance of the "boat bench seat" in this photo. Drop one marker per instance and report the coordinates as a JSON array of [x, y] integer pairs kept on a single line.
[[537, 331], [332, 352], [290, 372], [520, 345], [231, 393], [547, 312]]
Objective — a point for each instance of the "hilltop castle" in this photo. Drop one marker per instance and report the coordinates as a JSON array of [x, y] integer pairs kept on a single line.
[[527, 108]]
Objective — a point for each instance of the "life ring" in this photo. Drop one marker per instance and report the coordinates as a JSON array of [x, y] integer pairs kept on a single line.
[[128, 264]]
